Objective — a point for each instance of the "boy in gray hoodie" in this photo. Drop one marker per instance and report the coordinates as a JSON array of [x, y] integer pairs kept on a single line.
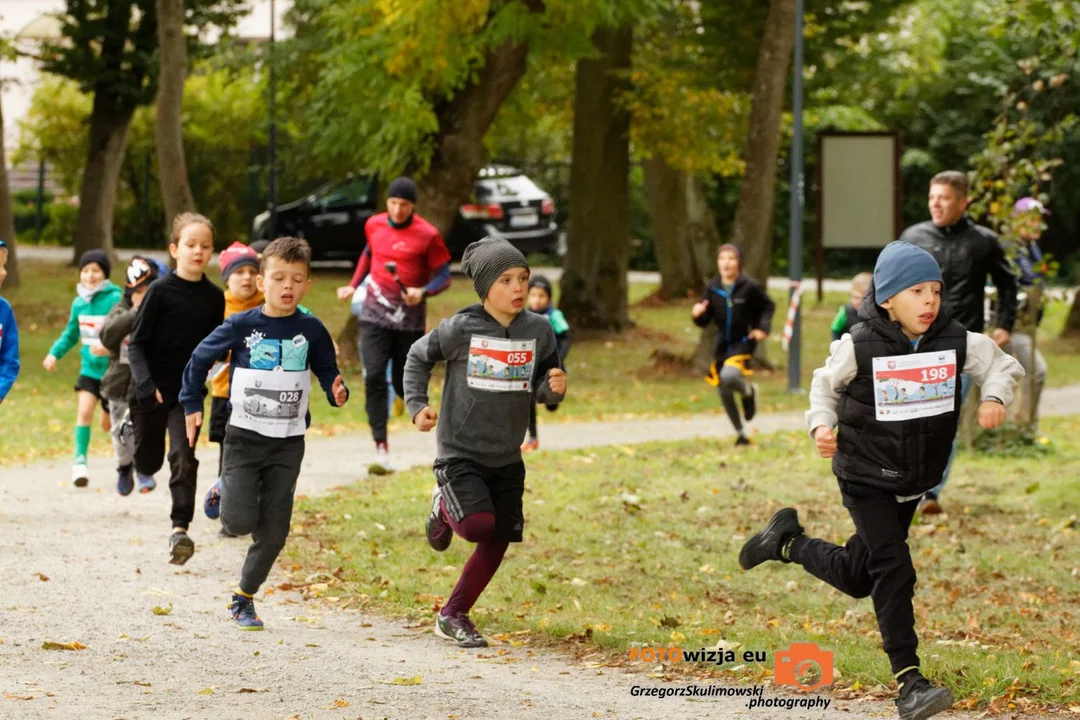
[[495, 355]]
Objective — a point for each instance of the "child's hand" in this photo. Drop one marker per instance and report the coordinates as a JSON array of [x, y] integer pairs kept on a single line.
[[991, 414], [341, 393], [700, 308], [758, 335], [49, 363], [345, 292], [425, 419], [161, 400], [193, 421], [557, 381], [826, 441], [99, 351]]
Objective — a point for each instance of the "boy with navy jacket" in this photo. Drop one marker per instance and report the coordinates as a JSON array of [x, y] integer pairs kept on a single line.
[[891, 387]]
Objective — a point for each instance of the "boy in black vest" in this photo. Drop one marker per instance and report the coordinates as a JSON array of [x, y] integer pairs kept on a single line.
[[891, 387]]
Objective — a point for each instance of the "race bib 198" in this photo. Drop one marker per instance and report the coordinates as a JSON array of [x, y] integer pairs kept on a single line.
[[271, 403], [501, 365], [914, 386]]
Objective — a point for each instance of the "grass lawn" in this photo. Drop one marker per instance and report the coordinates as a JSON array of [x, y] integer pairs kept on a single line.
[[638, 546], [611, 376]]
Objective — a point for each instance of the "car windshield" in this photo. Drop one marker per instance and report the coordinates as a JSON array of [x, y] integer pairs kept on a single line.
[[515, 186], [354, 191]]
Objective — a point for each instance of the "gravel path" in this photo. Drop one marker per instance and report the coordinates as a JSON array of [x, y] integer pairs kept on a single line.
[[88, 566]]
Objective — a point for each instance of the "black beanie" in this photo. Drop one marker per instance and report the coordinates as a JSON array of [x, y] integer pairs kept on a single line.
[[403, 188], [96, 256], [541, 282]]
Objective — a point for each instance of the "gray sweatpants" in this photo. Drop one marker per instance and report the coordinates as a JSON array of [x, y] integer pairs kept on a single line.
[[258, 482], [731, 382], [123, 436], [1019, 346]]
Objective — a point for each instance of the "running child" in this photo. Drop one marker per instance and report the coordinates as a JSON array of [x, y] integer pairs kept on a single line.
[[9, 334], [116, 383], [848, 316], [95, 297], [177, 313], [498, 358], [540, 303], [743, 312], [904, 339], [272, 349]]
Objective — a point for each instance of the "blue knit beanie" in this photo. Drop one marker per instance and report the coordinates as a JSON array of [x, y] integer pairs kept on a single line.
[[900, 266]]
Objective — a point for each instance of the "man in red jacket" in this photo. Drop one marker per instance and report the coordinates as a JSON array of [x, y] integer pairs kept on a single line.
[[408, 262]]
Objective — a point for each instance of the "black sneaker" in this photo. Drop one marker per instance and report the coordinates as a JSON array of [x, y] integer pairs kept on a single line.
[[438, 531], [923, 700], [181, 548], [460, 629], [749, 402], [742, 440], [766, 545]]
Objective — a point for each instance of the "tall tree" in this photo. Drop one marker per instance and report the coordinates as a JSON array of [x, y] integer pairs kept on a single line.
[[594, 283], [168, 133], [7, 218]]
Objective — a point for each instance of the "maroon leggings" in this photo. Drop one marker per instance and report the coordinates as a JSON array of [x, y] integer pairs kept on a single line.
[[481, 565]]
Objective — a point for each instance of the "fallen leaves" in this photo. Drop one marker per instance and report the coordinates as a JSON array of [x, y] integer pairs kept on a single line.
[[41, 576], [162, 609], [50, 645]]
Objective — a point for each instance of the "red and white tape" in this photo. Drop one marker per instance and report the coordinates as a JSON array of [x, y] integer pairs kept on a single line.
[[793, 307]]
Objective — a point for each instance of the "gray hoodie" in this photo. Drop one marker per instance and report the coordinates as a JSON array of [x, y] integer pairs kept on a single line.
[[492, 375]]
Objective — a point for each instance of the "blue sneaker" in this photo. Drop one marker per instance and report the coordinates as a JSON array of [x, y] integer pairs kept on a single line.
[[125, 480], [212, 503], [243, 612], [145, 483]]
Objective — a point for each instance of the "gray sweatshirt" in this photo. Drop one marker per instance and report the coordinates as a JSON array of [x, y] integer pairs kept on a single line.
[[492, 375]]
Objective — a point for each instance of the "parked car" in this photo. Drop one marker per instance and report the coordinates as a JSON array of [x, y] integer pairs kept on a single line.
[[505, 202]]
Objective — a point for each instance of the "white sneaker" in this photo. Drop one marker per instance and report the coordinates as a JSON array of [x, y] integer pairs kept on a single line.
[[382, 464], [80, 475]]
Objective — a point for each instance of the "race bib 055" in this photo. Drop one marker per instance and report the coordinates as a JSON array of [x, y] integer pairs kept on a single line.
[[501, 365]]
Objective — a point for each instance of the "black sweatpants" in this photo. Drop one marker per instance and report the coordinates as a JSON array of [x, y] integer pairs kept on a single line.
[[378, 346], [151, 422], [258, 482], [876, 561]]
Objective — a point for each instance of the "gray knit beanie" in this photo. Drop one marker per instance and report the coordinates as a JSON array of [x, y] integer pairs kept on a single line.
[[485, 260]]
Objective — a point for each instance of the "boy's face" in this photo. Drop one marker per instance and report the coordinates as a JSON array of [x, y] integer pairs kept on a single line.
[[538, 299], [241, 282], [283, 283], [507, 294], [138, 294], [728, 264], [91, 276], [915, 308], [856, 296], [193, 249], [3, 265], [1029, 226]]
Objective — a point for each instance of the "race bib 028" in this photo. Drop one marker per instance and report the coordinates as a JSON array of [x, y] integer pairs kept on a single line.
[[914, 386], [500, 364]]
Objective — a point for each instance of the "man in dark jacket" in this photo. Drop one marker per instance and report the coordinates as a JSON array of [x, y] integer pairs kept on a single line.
[[967, 254]]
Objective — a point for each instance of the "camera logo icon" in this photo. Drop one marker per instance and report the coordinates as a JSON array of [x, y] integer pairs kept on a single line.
[[795, 666]]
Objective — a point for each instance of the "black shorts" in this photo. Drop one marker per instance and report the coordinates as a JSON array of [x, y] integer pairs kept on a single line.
[[219, 419], [469, 487], [92, 386]]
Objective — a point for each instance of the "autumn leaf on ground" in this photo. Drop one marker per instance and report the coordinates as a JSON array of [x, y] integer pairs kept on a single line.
[[161, 609], [414, 680], [339, 703], [206, 691], [242, 691], [50, 645], [42, 577], [12, 696]]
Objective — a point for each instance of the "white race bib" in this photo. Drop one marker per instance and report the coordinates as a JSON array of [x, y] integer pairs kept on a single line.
[[501, 365], [125, 357], [271, 403], [915, 386], [90, 329]]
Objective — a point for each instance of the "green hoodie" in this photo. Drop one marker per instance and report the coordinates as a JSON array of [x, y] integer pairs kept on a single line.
[[88, 311]]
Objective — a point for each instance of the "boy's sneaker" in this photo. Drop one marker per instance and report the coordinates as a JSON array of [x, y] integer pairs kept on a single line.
[[749, 402], [125, 480], [530, 445], [438, 531], [145, 483], [212, 503], [768, 544], [242, 610], [742, 440], [382, 464], [399, 407], [80, 475], [930, 505], [919, 700], [181, 548], [459, 628]]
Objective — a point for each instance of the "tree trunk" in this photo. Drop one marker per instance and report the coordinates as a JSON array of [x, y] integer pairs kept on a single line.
[[594, 285], [679, 238], [7, 215], [97, 200], [1072, 322], [168, 135], [752, 229]]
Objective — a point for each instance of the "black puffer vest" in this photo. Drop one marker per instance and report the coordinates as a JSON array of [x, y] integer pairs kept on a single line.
[[906, 457]]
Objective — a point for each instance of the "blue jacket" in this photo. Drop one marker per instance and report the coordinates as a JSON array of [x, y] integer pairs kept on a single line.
[[9, 349]]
